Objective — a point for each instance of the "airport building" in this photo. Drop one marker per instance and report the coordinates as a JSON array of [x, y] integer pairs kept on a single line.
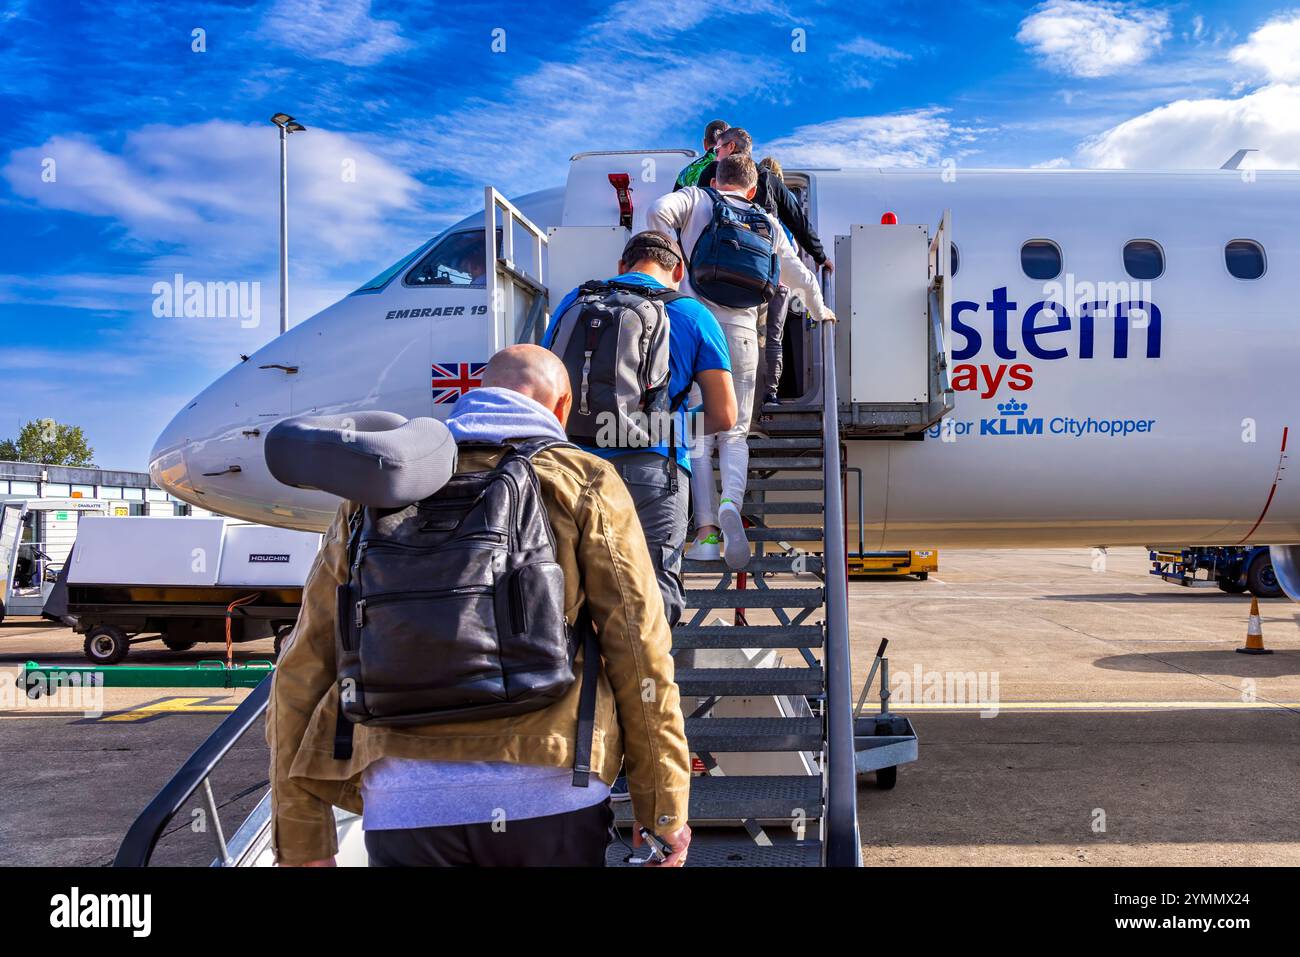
[[137, 494]]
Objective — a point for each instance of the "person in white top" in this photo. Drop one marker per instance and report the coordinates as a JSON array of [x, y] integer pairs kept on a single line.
[[684, 215]]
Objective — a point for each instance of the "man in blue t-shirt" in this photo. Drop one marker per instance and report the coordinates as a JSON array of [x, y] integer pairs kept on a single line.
[[697, 355]]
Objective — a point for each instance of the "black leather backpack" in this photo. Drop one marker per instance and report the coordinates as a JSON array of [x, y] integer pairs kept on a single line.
[[454, 609]]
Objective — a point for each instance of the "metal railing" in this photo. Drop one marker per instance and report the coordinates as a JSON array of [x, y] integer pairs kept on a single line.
[[508, 280], [842, 847], [138, 845]]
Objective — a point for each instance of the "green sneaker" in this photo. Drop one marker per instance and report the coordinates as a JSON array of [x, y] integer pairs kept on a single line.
[[707, 549]]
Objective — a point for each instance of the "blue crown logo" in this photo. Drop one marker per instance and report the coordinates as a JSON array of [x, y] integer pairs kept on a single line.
[[1012, 408]]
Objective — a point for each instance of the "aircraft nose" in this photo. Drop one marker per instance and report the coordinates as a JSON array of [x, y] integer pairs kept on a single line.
[[168, 466]]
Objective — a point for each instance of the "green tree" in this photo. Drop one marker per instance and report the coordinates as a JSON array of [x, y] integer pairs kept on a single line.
[[49, 443]]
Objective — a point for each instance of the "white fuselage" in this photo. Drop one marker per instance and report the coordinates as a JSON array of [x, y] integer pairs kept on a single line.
[[1170, 431]]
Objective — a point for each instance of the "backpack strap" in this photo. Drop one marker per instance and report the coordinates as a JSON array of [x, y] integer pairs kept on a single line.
[[343, 728], [526, 448], [582, 745]]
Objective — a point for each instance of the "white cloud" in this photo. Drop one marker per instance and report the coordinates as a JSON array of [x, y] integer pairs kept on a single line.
[[213, 189], [339, 30], [869, 49], [1203, 133], [1274, 49], [578, 98], [1059, 162], [1093, 39], [854, 56], [913, 138]]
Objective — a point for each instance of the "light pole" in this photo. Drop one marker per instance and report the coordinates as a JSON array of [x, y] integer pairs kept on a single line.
[[287, 125]]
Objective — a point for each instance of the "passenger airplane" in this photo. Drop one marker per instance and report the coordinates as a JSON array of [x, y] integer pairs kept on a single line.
[[1137, 391]]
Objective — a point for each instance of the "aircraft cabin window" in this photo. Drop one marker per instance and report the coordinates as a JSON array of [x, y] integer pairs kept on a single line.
[[1245, 258], [1144, 259], [1041, 259], [458, 260], [954, 259]]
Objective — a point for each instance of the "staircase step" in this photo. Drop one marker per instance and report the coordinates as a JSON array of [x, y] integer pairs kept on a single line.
[[812, 564], [784, 485], [806, 422], [765, 463], [755, 597], [782, 508], [749, 636], [703, 682], [734, 798], [754, 734], [790, 533], [733, 852], [786, 442]]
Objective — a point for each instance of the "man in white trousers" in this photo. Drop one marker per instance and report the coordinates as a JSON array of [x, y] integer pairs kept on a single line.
[[684, 215]]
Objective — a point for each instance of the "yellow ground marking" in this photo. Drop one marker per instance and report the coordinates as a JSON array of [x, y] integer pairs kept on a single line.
[[171, 706]]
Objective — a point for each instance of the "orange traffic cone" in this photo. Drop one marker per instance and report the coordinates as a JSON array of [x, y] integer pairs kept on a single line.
[[1254, 634]]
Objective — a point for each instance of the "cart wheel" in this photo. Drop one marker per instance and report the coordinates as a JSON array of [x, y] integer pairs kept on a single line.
[[1261, 579], [922, 576], [886, 778], [106, 645], [281, 635], [178, 644], [1231, 587]]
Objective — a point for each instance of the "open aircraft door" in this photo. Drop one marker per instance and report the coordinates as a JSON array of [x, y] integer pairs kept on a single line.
[[516, 288], [11, 522], [893, 345]]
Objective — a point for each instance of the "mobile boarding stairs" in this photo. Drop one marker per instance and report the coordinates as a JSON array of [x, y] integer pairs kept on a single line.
[[773, 745]]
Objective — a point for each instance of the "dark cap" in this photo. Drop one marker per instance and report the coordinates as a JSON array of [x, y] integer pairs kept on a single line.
[[638, 246]]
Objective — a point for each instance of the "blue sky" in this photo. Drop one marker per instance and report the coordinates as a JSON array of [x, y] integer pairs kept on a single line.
[[163, 161]]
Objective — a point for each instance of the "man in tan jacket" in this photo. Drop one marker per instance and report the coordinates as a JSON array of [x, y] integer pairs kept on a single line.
[[496, 791]]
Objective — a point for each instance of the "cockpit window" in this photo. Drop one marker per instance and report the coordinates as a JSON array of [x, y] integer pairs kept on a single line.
[[382, 280], [457, 260]]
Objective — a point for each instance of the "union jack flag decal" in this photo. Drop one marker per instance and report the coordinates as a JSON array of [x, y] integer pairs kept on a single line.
[[451, 380]]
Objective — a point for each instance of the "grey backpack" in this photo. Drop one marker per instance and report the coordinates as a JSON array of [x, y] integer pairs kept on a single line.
[[613, 340]]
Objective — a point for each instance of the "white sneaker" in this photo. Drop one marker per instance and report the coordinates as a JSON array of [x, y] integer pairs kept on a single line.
[[707, 549], [736, 545]]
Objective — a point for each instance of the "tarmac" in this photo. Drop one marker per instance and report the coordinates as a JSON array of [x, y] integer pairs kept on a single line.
[[1071, 709]]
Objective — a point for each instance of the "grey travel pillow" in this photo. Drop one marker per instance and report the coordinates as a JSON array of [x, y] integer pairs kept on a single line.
[[379, 459]]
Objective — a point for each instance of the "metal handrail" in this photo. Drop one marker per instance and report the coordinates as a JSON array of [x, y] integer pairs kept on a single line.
[[138, 845], [842, 846]]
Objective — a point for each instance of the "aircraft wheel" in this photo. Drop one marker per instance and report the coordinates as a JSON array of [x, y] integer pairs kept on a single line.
[[1262, 580], [886, 778], [106, 645], [178, 644]]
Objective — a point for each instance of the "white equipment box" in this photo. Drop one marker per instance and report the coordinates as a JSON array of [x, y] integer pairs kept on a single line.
[[261, 555], [188, 551]]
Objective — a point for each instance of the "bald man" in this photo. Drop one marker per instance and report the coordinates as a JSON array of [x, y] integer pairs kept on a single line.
[[497, 792]]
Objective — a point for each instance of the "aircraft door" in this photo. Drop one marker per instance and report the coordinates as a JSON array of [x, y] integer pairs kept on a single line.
[[517, 299], [11, 520]]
